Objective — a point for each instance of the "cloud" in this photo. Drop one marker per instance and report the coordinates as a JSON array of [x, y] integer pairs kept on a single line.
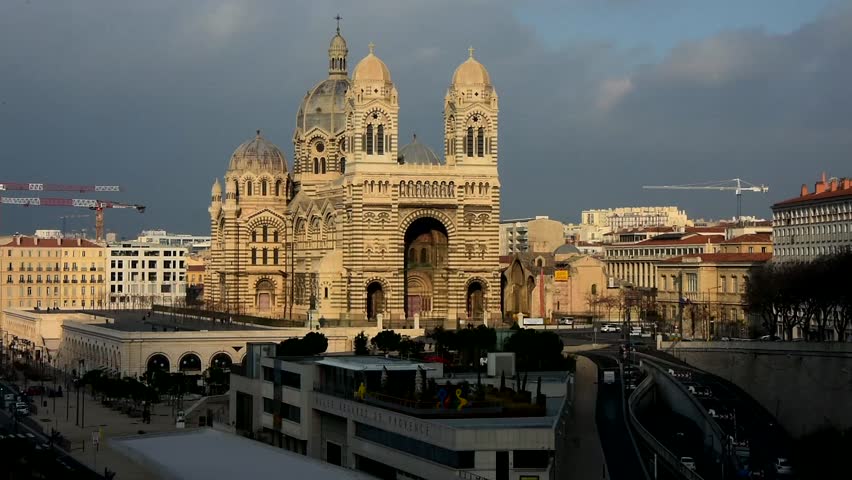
[[156, 96]]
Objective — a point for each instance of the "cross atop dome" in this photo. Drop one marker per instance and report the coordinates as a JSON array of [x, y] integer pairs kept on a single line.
[[372, 47], [470, 51], [338, 18]]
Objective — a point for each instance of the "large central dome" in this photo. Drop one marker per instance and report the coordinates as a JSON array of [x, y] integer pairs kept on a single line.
[[324, 106], [258, 154]]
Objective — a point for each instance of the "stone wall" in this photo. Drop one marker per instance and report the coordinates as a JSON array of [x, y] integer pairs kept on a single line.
[[805, 385]]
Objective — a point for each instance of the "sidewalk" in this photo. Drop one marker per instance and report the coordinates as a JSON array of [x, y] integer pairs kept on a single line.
[[107, 423], [584, 445]]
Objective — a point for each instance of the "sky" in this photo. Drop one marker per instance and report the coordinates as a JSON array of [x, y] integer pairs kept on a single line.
[[597, 97]]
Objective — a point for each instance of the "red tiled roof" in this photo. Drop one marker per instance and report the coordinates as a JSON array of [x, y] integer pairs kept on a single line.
[[812, 197], [722, 258], [195, 268], [751, 238], [713, 229], [687, 240], [30, 242]]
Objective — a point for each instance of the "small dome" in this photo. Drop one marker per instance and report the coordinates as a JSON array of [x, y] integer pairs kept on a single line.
[[324, 106], [471, 72], [416, 153], [567, 249], [371, 68], [258, 154], [338, 44], [217, 188]]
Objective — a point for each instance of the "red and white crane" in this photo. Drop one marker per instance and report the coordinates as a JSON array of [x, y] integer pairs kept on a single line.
[[97, 205]]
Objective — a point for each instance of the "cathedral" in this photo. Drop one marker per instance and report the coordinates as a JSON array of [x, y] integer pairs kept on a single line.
[[360, 227]]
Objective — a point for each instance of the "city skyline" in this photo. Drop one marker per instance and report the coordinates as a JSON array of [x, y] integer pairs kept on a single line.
[[155, 97]]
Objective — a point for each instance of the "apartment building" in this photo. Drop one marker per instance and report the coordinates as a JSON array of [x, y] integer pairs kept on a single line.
[[52, 273], [538, 234], [144, 274], [815, 223]]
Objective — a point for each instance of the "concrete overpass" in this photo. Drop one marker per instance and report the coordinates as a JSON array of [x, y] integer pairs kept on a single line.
[[806, 385]]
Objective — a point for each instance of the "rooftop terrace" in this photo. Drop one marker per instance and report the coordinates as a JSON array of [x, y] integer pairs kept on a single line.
[[146, 321]]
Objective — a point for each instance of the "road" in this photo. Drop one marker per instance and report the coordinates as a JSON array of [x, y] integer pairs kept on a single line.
[[12, 429], [621, 460]]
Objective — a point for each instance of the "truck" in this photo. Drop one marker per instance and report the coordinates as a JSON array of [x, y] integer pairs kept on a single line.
[[609, 377]]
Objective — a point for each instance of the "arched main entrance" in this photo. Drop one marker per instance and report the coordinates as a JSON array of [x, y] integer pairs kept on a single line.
[[221, 360], [375, 300], [426, 274], [264, 291], [475, 300]]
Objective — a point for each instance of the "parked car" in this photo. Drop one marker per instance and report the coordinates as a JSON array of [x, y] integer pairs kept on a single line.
[[770, 338], [688, 462], [610, 328], [568, 321], [783, 467]]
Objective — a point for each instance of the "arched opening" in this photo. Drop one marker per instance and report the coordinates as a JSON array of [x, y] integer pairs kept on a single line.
[[158, 362], [426, 272], [475, 300], [370, 139], [221, 360], [468, 144], [264, 292], [316, 165], [594, 289], [380, 140], [190, 362], [343, 165], [322, 165], [375, 300], [249, 188], [480, 142], [263, 187], [277, 188]]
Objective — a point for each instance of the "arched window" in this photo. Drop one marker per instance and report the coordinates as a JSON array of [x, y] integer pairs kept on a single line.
[[480, 142], [468, 143], [316, 165], [343, 165], [275, 256], [380, 140], [424, 256], [594, 289], [254, 256], [325, 293], [254, 235], [277, 188], [265, 251], [370, 139], [249, 188], [265, 233], [275, 236], [322, 165], [263, 187]]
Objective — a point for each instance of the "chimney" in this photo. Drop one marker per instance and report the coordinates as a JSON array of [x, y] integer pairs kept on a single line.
[[832, 185], [35, 241], [79, 241], [819, 187], [18, 240], [804, 191], [846, 183]]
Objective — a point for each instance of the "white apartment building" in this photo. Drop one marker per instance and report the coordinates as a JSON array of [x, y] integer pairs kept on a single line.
[[595, 224], [144, 274], [353, 411], [193, 243], [814, 223]]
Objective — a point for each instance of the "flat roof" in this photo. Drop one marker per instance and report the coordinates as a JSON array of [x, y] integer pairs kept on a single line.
[[140, 321], [207, 454], [371, 363]]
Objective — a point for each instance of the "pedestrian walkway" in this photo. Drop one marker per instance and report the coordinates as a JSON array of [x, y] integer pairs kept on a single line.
[[583, 443], [103, 423]]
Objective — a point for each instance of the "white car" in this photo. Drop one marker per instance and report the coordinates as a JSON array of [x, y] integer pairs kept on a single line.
[[688, 462], [568, 321], [610, 328], [783, 467]]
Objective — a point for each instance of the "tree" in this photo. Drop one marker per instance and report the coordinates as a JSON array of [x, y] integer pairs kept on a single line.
[[360, 344], [536, 350], [315, 343], [386, 340], [409, 347]]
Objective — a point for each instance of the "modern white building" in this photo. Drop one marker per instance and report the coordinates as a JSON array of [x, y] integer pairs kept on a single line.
[[364, 413], [143, 274], [814, 223], [597, 223], [193, 243], [537, 234]]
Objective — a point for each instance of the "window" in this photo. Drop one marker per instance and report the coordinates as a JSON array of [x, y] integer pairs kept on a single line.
[[275, 256], [480, 142], [664, 283], [380, 140], [691, 282], [291, 413], [265, 233], [277, 188], [531, 458], [325, 295], [265, 251], [594, 289], [434, 453], [249, 187], [254, 236], [263, 187], [468, 144], [342, 165], [370, 139], [316, 165], [275, 236], [268, 405], [254, 256], [735, 284], [723, 284]]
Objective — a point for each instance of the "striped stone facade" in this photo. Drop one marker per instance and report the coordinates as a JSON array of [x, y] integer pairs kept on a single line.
[[359, 230]]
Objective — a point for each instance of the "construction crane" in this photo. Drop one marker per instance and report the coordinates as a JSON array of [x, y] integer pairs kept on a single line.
[[57, 187], [97, 205], [737, 185]]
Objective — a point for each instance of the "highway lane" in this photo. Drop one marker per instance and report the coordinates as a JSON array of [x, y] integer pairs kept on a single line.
[[621, 459]]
